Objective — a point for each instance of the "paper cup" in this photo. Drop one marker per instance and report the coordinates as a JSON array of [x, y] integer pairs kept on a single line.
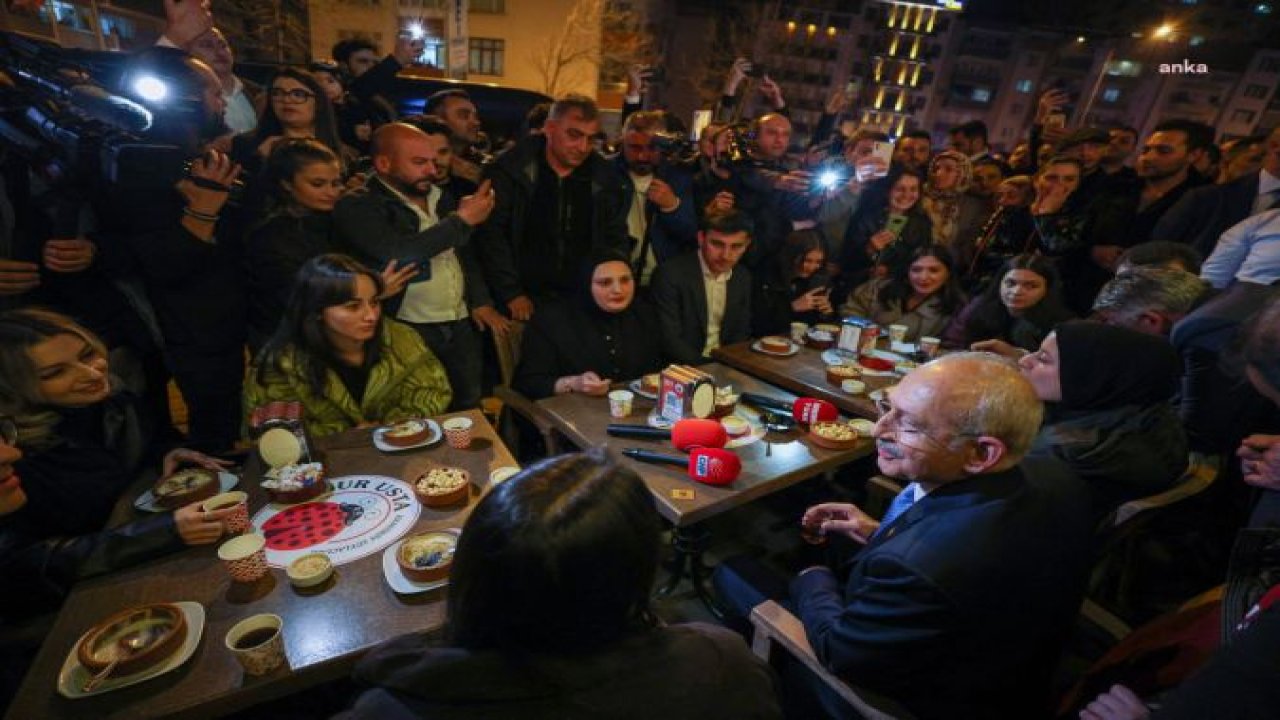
[[620, 403], [853, 387], [238, 521], [898, 333], [245, 557], [798, 331], [258, 643], [457, 431], [929, 346]]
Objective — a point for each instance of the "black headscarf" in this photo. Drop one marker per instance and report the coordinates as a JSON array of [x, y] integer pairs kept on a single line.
[[587, 270], [1104, 366]]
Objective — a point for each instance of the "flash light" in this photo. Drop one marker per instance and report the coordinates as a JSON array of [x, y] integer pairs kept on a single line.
[[151, 88], [829, 179]]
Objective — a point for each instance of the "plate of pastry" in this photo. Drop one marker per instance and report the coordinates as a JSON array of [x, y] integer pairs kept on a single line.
[[407, 435], [775, 345]]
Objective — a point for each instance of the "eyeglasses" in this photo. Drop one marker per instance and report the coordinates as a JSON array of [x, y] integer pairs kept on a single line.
[[900, 431], [9, 431], [294, 96]]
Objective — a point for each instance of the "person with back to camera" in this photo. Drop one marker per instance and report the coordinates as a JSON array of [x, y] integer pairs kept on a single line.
[[1013, 315], [335, 353], [549, 617]]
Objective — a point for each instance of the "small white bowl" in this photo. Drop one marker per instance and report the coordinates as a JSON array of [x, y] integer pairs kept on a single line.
[[853, 387], [502, 474], [302, 574]]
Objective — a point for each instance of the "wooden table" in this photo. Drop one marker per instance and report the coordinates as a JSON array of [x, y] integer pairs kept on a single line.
[[804, 373], [325, 632], [776, 461]]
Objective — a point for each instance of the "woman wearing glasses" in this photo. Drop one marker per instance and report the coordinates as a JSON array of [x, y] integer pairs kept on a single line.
[[297, 107], [1108, 392], [83, 433]]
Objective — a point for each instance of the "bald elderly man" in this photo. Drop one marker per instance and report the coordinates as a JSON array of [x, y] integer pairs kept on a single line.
[[959, 599]]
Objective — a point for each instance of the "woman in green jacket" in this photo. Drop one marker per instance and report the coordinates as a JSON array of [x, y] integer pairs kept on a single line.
[[335, 354]]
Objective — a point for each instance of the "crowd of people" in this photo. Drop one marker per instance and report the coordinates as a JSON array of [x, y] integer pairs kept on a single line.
[[1100, 318]]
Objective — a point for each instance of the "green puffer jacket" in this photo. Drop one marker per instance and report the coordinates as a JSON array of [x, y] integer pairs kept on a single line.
[[407, 382]]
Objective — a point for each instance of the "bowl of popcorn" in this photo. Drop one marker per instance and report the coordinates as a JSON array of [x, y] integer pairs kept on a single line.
[[833, 435], [442, 486], [427, 556], [293, 484]]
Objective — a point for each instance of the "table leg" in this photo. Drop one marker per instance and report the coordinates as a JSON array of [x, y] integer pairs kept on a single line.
[[687, 546]]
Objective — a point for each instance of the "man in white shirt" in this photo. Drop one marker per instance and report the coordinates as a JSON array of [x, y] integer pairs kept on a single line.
[[403, 215], [704, 297]]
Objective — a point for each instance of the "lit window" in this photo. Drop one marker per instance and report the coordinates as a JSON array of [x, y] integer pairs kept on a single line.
[[486, 56], [1262, 8], [1196, 40], [1111, 95], [981, 95], [1023, 86]]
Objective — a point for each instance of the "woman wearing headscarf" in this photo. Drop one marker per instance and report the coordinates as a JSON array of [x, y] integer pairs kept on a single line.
[[957, 216], [1110, 417], [584, 343]]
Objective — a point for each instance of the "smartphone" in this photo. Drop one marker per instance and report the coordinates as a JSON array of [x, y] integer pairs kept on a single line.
[[882, 150], [895, 224]]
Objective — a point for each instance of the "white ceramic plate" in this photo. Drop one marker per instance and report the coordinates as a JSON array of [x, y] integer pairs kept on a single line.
[[637, 387], [432, 438], [397, 580], [835, 356], [73, 675], [657, 421], [760, 349], [147, 502]]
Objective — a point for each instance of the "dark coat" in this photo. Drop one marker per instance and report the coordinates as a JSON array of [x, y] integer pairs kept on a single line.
[[565, 338], [1122, 453], [274, 252], [959, 608], [1202, 214], [681, 299], [681, 672], [39, 566], [512, 264], [374, 226], [670, 233]]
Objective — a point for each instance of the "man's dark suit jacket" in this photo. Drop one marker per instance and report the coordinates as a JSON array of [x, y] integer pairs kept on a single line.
[[672, 233], [958, 609], [374, 225], [1204, 213], [681, 298]]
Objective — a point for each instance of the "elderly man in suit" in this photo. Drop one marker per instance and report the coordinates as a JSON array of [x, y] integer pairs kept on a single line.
[[958, 604], [1201, 216], [704, 297]]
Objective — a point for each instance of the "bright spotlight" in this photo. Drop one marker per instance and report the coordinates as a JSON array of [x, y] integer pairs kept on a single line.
[[150, 88], [416, 32]]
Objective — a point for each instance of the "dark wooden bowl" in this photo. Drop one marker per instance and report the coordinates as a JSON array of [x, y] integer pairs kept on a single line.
[[208, 487]]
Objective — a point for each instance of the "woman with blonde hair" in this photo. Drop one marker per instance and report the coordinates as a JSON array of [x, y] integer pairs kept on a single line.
[[83, 434]]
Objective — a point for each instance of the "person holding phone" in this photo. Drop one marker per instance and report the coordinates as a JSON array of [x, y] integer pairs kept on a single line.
[[885, 230]]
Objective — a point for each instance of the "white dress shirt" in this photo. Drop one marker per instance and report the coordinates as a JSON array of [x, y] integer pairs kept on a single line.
[[439, 299], [717, 288]]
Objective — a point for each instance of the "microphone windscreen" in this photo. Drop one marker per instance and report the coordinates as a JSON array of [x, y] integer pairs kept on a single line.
[[698, 432], [714, 466], [807, 411]]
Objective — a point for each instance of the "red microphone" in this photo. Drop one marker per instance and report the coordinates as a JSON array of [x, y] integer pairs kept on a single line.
[[711, 466], [807, 410], [685, 434]]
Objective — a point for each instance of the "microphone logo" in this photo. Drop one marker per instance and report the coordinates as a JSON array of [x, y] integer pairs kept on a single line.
[[704, 466]]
